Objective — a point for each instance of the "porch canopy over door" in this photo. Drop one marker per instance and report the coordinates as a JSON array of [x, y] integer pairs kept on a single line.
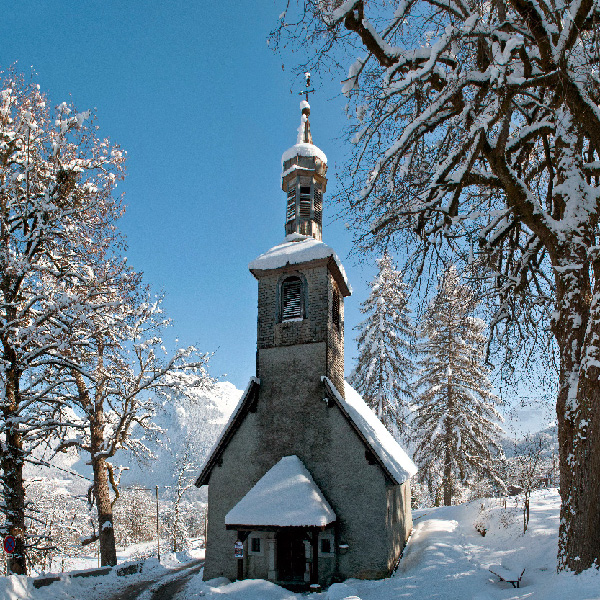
[[286, 498]]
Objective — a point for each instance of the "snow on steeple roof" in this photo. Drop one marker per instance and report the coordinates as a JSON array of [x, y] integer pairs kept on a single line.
[[304, 145], [286, 496], [296, 249]]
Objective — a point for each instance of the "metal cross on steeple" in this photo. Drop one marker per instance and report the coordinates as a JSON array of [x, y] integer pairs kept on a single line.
[[308, 89]]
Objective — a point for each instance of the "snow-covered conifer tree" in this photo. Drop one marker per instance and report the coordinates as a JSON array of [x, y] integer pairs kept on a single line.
[[455, 422], [385, 361]]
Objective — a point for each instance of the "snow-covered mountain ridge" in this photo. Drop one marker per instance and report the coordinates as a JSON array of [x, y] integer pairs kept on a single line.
[[548, 437], [194, 426]]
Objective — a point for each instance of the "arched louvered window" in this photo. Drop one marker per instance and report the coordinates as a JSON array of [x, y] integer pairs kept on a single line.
[[291, 299]]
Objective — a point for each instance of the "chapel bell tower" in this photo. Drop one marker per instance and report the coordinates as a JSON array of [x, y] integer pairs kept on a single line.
[[304, 182], [305, 484], [301, 290]]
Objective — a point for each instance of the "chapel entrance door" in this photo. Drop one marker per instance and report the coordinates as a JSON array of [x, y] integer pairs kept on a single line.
[[291, 562]]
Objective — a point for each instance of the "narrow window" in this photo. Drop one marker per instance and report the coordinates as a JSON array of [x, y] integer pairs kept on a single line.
[[291, 203], [325, 545], [305, 201], [318, 206], [335, 308], [291, 299], [255, 544]]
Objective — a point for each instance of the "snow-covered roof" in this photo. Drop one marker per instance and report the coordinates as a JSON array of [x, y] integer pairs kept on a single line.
[[390, 454], [296, 249], [286, 496], [303, 149], [304, 145]]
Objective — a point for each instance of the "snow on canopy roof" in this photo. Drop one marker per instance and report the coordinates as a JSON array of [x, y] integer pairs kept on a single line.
[[296, 249], [285, 496], [303, 149], [391, 455]]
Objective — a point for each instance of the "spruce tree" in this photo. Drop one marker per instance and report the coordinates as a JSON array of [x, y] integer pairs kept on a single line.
[[385, 361], [456, 430]]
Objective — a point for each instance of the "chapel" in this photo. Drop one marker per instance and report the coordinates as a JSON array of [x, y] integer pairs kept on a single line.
[[305, 485]]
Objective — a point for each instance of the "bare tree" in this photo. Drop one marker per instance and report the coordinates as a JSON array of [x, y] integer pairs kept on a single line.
[[135, 516], [477, 133], [121, 372], [186, 470], [526, 469], [56, 189]]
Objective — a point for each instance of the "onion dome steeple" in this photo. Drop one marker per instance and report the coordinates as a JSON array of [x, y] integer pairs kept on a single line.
[[303, 179]]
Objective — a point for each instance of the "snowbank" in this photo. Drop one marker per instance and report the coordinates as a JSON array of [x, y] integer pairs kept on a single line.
[[248, 589]]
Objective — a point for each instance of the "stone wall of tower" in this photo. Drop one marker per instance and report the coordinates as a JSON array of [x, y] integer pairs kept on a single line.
[[335, 338], [270, 332], [317, 327]]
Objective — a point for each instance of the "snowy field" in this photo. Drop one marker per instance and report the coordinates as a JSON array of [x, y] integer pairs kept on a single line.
[[446, 559]]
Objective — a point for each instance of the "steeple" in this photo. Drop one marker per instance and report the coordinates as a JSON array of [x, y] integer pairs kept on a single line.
[[303, 180]]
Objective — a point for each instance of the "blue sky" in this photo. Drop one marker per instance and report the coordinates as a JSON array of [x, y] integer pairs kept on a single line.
[[203, 108]]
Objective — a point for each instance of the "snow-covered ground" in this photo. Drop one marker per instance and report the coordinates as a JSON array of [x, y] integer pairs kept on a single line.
[[97, 588], [446, 559]]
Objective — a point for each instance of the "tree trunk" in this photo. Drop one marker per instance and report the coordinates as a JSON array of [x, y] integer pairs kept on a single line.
[[108, 550], [14, 495], [176, 523], [106, 531], [577, 331], [12, 476], [447, 481]]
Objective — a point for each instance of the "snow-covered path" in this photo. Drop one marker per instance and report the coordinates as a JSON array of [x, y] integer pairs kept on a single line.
[[437, 556], [166, 587], [447, 558], [443, 560]]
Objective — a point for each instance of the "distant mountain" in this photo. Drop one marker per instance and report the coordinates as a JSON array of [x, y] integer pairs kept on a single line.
[[194, 426], [548, 436], [186, 426]]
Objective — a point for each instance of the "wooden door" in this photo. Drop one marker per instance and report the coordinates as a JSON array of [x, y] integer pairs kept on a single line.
[[291, 562]]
